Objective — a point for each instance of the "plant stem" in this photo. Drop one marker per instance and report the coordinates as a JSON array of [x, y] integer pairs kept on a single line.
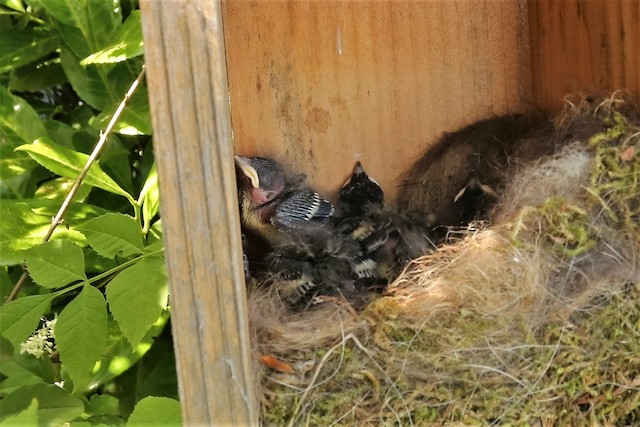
[[76, 185]]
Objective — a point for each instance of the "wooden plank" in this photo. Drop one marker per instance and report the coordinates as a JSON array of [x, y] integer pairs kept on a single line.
[[579, 45], [320, 84], [192, 139]]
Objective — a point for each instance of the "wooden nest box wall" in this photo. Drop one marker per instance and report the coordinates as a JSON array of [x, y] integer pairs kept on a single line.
[[319, 85]]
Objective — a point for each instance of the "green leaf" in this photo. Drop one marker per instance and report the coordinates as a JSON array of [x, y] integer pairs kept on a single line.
[[24, 223], [86, 26], [57, 189], [55, 264], [156, 411], [112, 234], [81, 334], [27, 417], [103, 404], [55, 405], [19, 318], [19, 48], [126, 44], [18, 121], [100, 86], [135, 119], [13, 4], [137, 296], [69, 164], [150, 197], [22, 369], [119, 357], [100, 421], [35, 77]]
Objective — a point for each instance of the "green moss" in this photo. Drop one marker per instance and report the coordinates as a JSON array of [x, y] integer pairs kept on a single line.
[[479, 370]]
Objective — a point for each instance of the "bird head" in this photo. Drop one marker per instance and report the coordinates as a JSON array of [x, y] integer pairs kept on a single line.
[[359, 193], [260, 180]]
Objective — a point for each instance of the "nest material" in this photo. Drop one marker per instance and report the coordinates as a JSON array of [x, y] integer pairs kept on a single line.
[[533, 319]]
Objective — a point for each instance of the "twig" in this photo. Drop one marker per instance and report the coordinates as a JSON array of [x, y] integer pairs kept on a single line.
[[76, 185]]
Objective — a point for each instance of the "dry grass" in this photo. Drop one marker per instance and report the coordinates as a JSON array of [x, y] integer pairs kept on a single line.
[[531, 320]]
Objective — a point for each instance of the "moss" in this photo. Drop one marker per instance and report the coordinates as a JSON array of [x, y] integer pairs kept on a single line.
[[566, 227], [511, 370], [615, 180]]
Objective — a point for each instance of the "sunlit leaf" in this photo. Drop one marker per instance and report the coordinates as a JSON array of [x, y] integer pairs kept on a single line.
[[18, 48], [19, 124], [58, 189], [26, 417], [55, 405], [156, 411], [150, 196], [137, 296], [31, 219], [113, 234], [81, 334], [19, 318], [126, 44], [100, 86], [135, 119], [13, 4], [86, 26], [55, 264], [69, 164]]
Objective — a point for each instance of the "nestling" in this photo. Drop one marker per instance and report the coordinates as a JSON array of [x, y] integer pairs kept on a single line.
[[389, 237], [273, 202]]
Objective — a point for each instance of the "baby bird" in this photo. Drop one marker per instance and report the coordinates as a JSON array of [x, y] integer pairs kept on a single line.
[[391, 238], [273, 202], [305, 266]]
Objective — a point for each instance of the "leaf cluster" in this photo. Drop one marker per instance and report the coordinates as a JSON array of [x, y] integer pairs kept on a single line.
[[65, 66]]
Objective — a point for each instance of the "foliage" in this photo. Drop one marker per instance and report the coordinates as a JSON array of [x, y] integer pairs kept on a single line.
[[86, 339]]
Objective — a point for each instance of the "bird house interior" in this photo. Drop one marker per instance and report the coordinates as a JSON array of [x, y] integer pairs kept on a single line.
[[318, 85]]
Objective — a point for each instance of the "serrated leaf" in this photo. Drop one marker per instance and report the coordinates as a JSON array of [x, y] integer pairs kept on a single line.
[[27, 417], [24, 223], [55, 264], [126, 44], [81, 334], [86, 26], [19, 48], [69, 164], [156, 411], [19, 318], [137, 296], [55, 405], [113, 233]]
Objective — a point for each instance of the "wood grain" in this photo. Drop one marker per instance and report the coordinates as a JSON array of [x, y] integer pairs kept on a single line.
[[192, 140], [583, 45], [320, 84]]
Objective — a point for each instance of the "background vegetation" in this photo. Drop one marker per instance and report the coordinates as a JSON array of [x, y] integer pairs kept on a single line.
[[86, 340]]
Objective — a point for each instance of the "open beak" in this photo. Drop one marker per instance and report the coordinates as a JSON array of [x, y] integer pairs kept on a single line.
[[248, 170]]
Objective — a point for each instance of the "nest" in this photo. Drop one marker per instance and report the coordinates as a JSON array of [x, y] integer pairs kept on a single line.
[[531, 318]]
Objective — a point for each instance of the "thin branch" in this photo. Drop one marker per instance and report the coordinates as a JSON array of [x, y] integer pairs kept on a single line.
[[57, 219]]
